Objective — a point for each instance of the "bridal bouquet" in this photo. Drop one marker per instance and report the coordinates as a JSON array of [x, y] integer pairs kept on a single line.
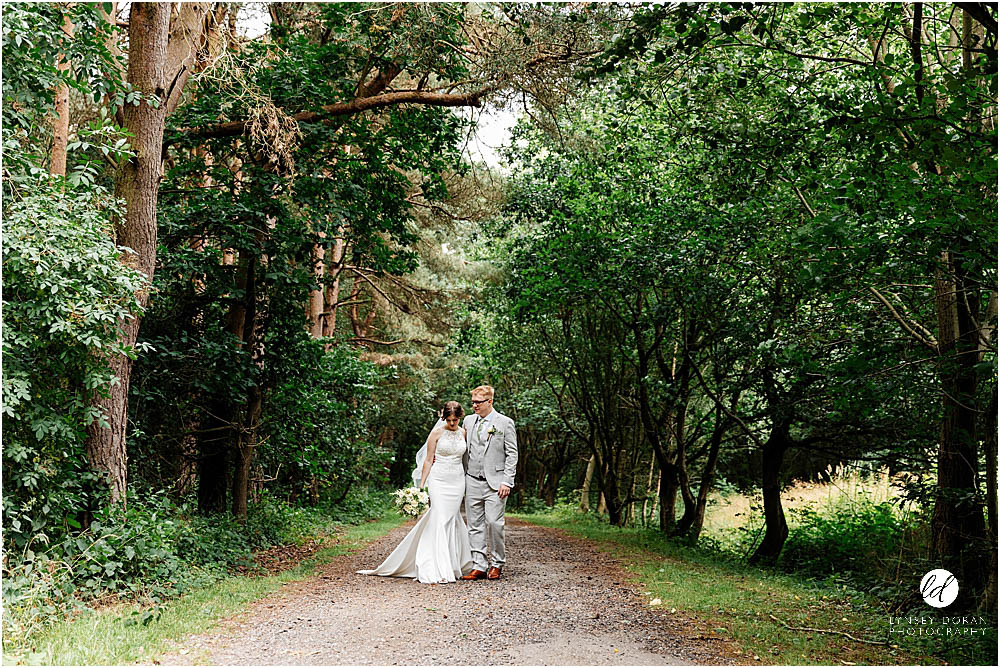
[[411, 501]]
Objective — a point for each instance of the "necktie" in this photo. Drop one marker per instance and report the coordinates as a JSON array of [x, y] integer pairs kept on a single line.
[[479, 427]]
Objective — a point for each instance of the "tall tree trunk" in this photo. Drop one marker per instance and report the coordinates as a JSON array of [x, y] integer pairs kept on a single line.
[[243, 437], [958, 528], [668, 497], [187, 460], [775, 526], [216, 436], [667, 484], [585, 492], [332, 293], [610, 497], [194, 28], [708, 474], [683, 377], [60, 121], [550, 480], [316, 296], [137, 181], [243, 456], [684, 485], [649, 489]]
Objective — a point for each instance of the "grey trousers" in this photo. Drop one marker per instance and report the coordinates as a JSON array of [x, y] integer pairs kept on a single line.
[[484, 512]]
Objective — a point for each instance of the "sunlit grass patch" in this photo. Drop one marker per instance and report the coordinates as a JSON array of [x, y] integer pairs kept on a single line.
[[728, 510]]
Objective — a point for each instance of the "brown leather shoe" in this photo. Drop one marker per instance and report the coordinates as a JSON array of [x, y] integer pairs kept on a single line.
[[475, 574], [493, 573]]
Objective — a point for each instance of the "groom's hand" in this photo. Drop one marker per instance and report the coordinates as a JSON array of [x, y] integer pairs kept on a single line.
[[503, 492]]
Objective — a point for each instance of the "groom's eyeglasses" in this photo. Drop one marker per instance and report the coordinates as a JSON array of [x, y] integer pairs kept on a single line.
[[480, 401]]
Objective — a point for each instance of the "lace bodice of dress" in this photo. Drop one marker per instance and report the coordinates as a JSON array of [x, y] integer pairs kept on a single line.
[[450, 446]]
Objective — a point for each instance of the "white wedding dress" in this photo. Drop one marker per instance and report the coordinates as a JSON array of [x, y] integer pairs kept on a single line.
[[437, 549]]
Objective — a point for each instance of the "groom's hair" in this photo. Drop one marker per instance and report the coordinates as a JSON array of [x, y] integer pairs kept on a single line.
[[452, 409], [485, 390]]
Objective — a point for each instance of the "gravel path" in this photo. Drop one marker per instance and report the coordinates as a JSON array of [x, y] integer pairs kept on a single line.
[[561, 602]]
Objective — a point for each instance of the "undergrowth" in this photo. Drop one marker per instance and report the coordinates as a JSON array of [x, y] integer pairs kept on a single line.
[[153, 551]]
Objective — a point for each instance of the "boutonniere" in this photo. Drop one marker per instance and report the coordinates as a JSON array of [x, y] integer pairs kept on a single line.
[[492, 430]]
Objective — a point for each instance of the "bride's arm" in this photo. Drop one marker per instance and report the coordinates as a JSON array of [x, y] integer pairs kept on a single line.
[[429, 458]]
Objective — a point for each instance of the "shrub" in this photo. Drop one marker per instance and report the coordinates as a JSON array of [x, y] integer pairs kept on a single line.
[[154, 550], [859, 536], [65, 293], [533, 505]]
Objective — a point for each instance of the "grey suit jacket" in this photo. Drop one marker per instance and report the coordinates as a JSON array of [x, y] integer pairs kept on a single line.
[[500, 458]]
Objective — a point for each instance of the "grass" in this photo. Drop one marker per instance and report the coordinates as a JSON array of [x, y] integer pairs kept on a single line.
[[110, 637]]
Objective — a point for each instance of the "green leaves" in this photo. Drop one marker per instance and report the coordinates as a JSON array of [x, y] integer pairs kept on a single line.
[[734, 25], [33, 45], [66, 293]]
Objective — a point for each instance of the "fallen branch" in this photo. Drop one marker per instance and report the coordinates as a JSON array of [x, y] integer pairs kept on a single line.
[[841, 633]]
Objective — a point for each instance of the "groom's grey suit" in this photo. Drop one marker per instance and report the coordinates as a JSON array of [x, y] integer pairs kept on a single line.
[[490, 461]]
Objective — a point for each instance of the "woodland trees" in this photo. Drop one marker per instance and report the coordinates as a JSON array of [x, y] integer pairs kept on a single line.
[[736, 197], [734, 240], [337, 83], [365, 59]]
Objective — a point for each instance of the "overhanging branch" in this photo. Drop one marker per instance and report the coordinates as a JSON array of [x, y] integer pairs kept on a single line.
[[356, 106], [913, 328]]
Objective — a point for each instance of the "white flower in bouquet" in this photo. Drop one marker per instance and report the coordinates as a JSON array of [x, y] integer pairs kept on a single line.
[[411, 501]]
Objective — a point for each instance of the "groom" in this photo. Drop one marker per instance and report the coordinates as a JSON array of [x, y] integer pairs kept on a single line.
[[490, 464]]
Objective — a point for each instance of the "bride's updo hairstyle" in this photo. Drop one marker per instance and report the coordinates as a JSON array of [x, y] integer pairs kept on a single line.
[[452, 409]]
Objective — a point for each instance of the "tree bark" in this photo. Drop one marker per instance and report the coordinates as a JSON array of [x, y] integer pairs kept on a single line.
[[668, 497], [667, 485], [610, 500], [683, 379], [244, 436], [137, 181], [958, 528], [194, 27], [684, 485], [243, 456], [60, 121], [316, 296], [332, 293], [708, 474], [187, 461], [585, 492], [649, 488], [776, 528]]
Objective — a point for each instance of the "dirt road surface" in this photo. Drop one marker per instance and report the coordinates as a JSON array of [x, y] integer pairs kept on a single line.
[[561, 601]]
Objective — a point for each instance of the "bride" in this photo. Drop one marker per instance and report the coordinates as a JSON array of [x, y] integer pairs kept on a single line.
[[437, 549]]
